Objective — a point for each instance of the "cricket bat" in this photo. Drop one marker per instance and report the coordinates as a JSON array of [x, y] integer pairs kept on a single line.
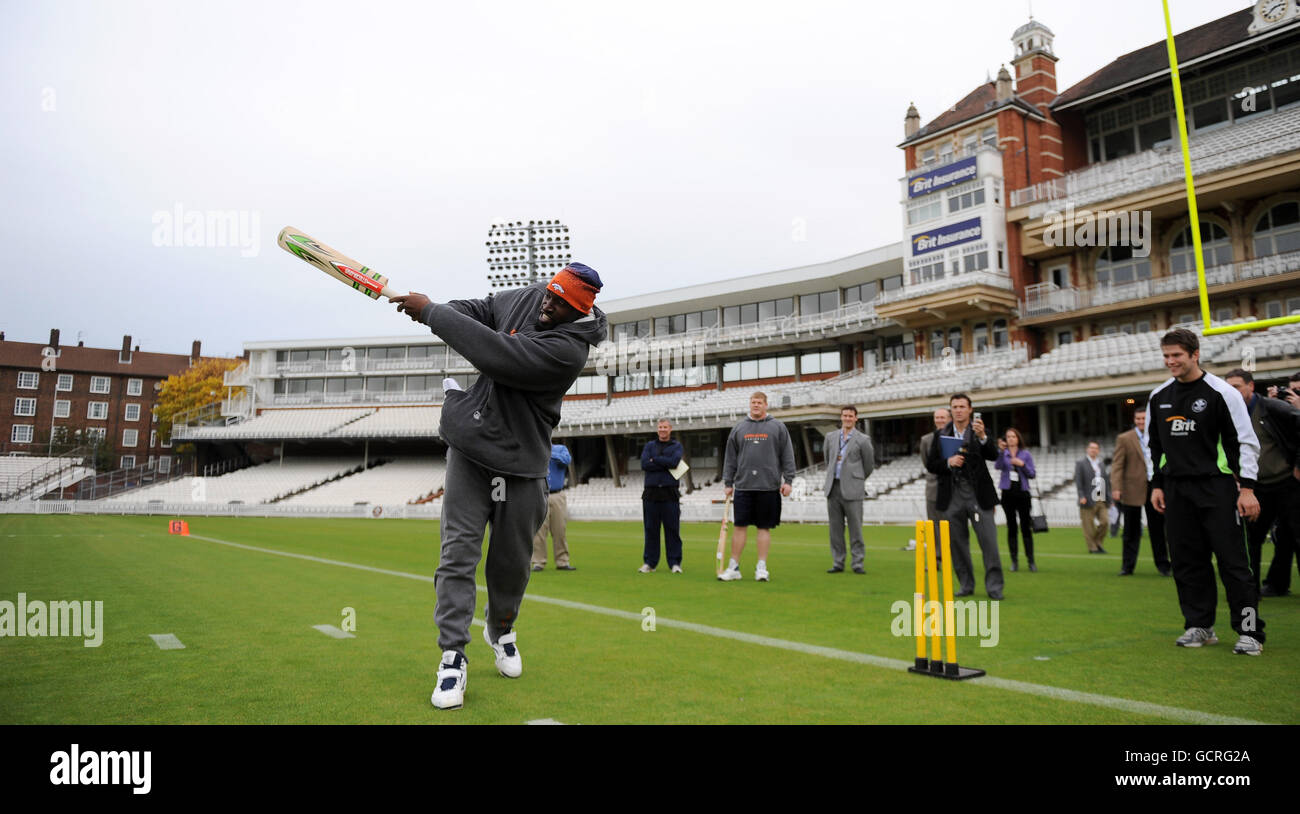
[[339, 266], [722, 536]]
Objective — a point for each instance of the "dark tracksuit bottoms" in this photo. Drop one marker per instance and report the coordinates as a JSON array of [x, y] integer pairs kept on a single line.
[[1200, 518], [515, 508], [666, 513]]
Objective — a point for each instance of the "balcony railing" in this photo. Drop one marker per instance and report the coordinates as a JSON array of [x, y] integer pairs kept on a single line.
[[316, 399], [1048, 298], [946, 283], [1259, 138], [434, 364]]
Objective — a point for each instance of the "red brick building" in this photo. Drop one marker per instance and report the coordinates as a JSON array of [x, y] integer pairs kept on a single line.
[[45, 387]]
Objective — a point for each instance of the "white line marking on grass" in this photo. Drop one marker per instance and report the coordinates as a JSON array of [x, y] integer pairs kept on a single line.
[[166, 641], [333, 632], [545, 722], [1057, 693]]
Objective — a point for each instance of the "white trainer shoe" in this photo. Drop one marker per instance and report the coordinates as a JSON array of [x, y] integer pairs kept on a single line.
[[645, 569], [1196, 637], [676, 569], [760, 574], [453, 675], [1247, 646], [729, 575], [509, 664]]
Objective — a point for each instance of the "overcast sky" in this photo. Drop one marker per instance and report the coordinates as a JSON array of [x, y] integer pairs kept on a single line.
[[680, 142]]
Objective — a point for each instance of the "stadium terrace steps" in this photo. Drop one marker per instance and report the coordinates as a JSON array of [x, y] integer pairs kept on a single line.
[[402, 480], [254, 485]]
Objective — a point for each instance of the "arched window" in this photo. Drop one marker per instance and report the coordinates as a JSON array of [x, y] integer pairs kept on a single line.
[[954, 339], [1216, 248], [980, 336], [1278, 231], [1000, 338], [1116, 265]]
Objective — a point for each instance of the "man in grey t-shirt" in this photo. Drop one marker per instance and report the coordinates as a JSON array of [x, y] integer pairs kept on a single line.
[[759, 470]]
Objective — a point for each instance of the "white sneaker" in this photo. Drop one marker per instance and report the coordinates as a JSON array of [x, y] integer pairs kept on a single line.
[[645, 569], [453, 675], [676, 569], [1197, 636], [760, 574], [509, 664], [729, 575], [1247, 646]]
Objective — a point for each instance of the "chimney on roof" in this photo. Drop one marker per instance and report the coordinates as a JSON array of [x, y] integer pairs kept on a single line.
[[137, 348], [2, 336], [54, 339], [124, 357], [194, 350], [1004, 84], [81, 344], [911, 122]]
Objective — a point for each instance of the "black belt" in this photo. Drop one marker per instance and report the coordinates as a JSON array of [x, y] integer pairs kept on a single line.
[[555, 491]]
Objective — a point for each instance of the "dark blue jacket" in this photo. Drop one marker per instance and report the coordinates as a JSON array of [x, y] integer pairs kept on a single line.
[[657, 458]]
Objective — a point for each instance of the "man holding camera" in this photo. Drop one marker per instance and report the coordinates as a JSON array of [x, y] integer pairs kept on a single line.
[[966, 493], [1277, 425]]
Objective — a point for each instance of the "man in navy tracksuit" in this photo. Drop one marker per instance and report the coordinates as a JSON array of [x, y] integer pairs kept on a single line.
[[529, 344], [1205, 455], [659, 506]]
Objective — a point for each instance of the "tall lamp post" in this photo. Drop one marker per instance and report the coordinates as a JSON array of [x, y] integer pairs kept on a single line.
[[521, 253]]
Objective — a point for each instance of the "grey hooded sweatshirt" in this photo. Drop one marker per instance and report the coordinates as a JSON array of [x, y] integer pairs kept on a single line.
[[504, 421]]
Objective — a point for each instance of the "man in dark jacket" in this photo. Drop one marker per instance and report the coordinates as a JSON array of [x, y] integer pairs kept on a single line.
[[529, 344], [1277, 426], [659, 506], [966, 494]]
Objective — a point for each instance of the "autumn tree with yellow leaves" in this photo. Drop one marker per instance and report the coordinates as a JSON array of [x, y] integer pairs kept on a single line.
[[199, 386]]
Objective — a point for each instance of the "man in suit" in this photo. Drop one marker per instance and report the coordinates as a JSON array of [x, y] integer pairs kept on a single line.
[[1130, 481], [941, 418], [849, 460], [966, 493], [1091, 484]]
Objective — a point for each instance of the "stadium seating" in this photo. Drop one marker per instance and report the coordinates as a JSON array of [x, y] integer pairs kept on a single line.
[[256, 484], [395, 482]]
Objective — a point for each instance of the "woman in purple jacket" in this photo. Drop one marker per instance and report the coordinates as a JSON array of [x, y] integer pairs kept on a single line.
[[1017, 467]]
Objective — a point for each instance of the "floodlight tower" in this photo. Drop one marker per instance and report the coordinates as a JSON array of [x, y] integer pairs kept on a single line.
[[521, 253]]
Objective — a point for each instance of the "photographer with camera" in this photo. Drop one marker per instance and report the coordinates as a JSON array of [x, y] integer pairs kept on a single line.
[[1278, 428], [957, 455]]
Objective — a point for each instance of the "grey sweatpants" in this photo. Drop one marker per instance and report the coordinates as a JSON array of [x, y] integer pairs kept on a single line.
[[961, 509], [514, 507]]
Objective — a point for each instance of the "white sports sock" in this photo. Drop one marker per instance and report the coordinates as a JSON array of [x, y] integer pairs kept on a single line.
[[734, 565], [762, 565]]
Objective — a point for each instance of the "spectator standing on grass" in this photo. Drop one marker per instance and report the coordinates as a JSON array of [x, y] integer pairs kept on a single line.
[[758, 469], [846, 487], [1278, 580], [966, 494], [1277, 426], [1017, 468], [1206, 457], [942, 416], [659, 499], [1130, 480], [557, 513], [1091, 486]]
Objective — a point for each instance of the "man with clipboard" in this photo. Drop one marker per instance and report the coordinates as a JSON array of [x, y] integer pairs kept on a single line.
[[966, 493]]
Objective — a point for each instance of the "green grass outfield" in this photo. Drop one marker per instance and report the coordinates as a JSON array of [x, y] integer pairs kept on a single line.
[[251, 655]]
